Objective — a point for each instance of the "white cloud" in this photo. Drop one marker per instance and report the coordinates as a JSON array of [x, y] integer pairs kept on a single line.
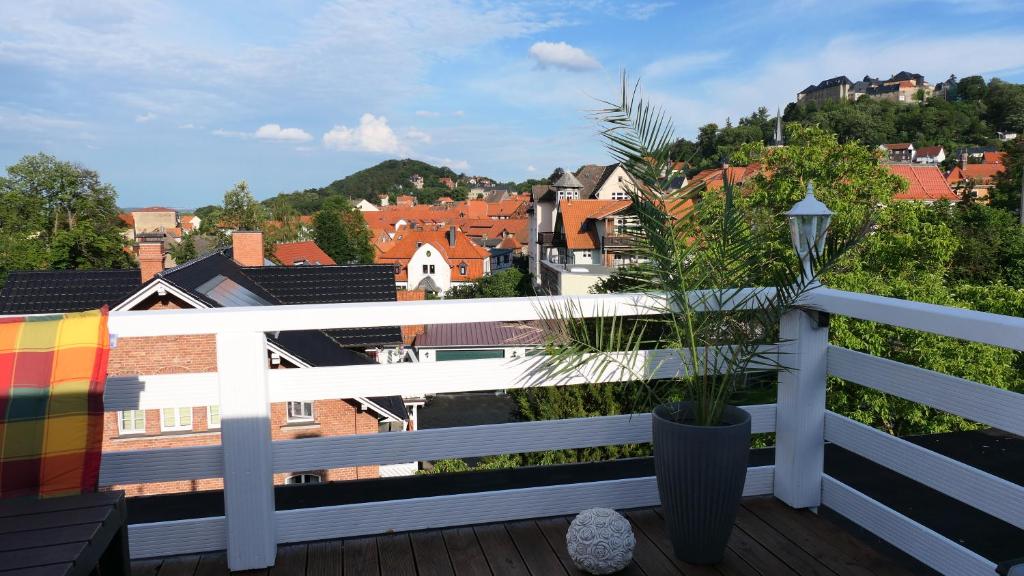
[[458, 113], [272, 132], [562, 55], [275, 132], [457, 165], [187, 126], [681, 64], [531, 168], [143, 118], [427, 114], [372, 135], [414, 133]]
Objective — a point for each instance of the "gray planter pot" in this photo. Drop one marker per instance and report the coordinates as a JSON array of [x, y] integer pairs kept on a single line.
[[701, 471]]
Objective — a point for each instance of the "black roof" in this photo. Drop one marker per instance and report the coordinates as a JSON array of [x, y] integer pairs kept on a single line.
[[326, 284], [837, 81], [54, 291], [75, 290]]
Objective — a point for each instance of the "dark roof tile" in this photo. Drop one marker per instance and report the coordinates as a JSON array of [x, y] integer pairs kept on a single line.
[[54, 291]]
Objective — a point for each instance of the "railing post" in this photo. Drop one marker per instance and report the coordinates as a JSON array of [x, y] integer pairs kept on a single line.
[[800, 415], [245, 438]]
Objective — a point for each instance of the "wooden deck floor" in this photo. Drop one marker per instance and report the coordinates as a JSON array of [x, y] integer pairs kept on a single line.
[[769, 539]]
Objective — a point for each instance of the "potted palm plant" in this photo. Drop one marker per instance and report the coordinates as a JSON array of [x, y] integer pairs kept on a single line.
[[702, 333]]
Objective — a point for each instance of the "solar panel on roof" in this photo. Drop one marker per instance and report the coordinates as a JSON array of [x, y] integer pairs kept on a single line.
[[228, 293]]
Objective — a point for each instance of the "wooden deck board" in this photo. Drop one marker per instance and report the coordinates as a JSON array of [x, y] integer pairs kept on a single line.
[[768, 539]]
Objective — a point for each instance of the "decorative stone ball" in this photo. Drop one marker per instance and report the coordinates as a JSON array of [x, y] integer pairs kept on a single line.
[[600, 541]]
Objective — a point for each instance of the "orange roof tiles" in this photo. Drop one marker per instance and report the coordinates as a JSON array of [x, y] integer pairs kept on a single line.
[[510, 243], [505, 208], [926, 183], [993, 158], [714, 178], [296, 253], [407, 242], [575, 214], [127, 218]]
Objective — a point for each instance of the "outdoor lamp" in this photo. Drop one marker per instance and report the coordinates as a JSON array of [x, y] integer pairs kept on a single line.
[[808, 226]]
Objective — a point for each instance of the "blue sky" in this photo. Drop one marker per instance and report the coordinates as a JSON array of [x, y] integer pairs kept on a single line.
[[173, 102]]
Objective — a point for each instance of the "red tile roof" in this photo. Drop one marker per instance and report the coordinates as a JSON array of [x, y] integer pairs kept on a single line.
[[127, 218], [898, 146], [510, 243], [926, 183], [187, 222], [993, 158], [575, 214], [714, 178], [406, 242], [297, 253], [155, 209], [506, 208], [929, 151]]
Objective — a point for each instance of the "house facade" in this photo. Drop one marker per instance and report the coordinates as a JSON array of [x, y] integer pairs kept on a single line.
[[930, 155], [434, 259], [900, 152], [549, 255]]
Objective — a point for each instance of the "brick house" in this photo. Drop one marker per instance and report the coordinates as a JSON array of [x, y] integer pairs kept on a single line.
[[230, 277]]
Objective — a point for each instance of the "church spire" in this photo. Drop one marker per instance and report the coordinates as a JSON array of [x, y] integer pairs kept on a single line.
[[778, 128]]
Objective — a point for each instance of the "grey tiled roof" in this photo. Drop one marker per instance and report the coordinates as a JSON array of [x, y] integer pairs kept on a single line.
[[593, 176]]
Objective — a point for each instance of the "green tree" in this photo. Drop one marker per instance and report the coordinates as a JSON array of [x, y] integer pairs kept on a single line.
[[58, 214], [972, 88], [914, 252], [186, 249], [1006, 194], [509, 283], [241, 210], [341, 231]]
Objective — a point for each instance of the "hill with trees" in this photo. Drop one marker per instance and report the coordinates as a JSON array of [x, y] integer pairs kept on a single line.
[[974, 117], [390, 177]]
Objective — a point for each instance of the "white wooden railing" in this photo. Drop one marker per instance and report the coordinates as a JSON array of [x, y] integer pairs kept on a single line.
[[244, 387]]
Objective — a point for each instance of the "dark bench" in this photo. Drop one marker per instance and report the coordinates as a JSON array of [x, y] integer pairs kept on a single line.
[[73, 535]]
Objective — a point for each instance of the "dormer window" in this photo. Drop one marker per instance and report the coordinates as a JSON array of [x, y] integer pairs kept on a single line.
[[462, 268]]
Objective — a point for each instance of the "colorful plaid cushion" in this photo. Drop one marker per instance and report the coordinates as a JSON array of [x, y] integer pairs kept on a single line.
[[52, 372]]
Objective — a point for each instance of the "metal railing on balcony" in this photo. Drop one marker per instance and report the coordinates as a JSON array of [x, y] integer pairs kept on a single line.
[[619, 241], [244, 387]]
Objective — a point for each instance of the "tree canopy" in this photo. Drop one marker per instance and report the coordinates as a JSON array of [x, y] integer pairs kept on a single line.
[[58, 214], [241, 211], [341, 232], [390, 178]]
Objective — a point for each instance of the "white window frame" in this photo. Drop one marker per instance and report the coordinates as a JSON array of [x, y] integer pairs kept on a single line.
[[620, 195], [303, 478], [302, 417], [209, 417], [122, 431], [178, 426]]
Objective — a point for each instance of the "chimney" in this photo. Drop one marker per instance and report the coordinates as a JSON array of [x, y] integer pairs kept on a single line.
[[247, 248], [410, 332], [451, 236], [151, 259]]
